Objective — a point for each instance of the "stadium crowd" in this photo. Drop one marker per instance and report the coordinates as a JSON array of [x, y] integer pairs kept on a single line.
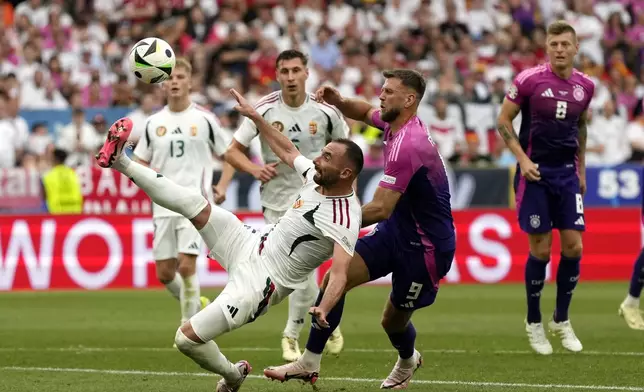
[[61, 54]]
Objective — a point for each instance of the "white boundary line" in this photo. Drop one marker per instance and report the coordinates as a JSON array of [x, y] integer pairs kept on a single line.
[[341, 379], [81, 349]]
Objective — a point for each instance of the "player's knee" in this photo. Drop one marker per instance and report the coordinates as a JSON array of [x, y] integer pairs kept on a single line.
[[391, 323], [184, 344], [165, 272], [574, 249], [202, 217]]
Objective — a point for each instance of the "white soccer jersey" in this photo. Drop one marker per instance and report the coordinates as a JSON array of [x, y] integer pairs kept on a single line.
[[180, 145], [305, 236], [310, 127]]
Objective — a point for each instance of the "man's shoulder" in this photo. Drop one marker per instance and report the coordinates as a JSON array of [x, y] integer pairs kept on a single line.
[[583, 79], [267, 102], [329, 110], [531, 75]]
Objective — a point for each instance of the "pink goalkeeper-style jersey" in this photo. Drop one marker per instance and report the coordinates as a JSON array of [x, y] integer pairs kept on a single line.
[[414, 167]]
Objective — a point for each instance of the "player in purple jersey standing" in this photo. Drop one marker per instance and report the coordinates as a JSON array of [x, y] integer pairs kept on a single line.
[[414, 239], [550, 181]]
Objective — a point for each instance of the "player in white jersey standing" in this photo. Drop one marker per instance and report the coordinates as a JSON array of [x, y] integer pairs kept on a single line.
[[179, 142], [263, 267], [310, 125]]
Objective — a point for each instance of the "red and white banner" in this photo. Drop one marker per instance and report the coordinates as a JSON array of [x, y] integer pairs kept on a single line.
[[115, 251], [104, 192]]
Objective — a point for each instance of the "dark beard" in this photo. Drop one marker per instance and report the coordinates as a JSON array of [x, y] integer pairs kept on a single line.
[[390, 115]]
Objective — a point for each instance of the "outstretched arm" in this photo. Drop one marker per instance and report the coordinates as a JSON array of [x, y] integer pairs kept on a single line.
[[355, 109], [336, 286], [280, 144]]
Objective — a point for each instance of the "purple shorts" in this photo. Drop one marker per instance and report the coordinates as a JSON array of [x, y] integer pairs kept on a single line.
[[554, 202], [416, 270]]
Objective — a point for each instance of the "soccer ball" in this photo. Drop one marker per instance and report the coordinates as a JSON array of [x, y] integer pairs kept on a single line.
[[152, 60]]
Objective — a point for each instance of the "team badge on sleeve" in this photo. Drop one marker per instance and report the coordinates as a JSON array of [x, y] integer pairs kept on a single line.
[[278, 125], [161, 131], [513, 91]]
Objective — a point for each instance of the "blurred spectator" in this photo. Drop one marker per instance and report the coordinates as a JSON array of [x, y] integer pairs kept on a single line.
[[79, 139], [139, 116], [11, 145], [40, 140], [446, 128], [608, 141]]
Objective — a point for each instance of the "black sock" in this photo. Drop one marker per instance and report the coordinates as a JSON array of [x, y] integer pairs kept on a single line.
[[404, 341], [535, 276], [567, 278], [319, 336]]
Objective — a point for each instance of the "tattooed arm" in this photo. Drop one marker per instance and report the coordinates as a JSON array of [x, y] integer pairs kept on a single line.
[[581, 150], [509, 111]]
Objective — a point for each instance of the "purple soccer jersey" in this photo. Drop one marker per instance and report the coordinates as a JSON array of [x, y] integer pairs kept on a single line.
[[550, 112], [417, 242], [551, 108]]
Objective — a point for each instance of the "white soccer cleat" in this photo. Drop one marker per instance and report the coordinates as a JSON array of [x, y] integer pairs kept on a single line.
[[633, 316], [537, 338], [244, 369], [335, 343], [292, 371], [290, 349], [565, 332], [400, 376]]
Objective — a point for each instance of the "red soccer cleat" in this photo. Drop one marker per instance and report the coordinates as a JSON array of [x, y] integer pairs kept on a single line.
[[116, 138]]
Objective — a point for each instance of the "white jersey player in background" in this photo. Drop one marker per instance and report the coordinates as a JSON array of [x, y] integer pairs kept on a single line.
[[310, 125], [263, 267], [179, 142]]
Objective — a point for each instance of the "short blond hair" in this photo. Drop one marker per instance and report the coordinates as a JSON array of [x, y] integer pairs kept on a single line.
[[184, 63], [561, 27]]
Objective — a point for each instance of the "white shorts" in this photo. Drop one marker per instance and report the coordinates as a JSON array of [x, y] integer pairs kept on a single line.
[[174, 235], [250, 290], [272, 216]]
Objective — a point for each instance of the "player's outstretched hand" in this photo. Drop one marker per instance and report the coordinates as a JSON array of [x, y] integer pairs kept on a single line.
[[329, 95], [320, 316], [266, 172], [243, 107], [530, 170]]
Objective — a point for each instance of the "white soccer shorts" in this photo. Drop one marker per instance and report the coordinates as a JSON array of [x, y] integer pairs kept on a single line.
[[174, 235], [250, 290]]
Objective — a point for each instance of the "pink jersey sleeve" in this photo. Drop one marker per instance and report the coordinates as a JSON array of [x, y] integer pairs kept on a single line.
[[377, 121], [400, 166], [520, 88]]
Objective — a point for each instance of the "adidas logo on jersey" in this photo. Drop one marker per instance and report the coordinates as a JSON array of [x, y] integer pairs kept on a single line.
[[233, 310], [408, 305], [295, 128], [580, 221], [194, 246], [548, 93], [177, 132]]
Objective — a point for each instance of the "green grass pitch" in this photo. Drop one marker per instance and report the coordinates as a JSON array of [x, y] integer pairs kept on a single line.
[[472, 340]]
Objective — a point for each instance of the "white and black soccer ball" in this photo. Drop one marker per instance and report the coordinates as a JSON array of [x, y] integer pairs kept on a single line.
[[152, 60]]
